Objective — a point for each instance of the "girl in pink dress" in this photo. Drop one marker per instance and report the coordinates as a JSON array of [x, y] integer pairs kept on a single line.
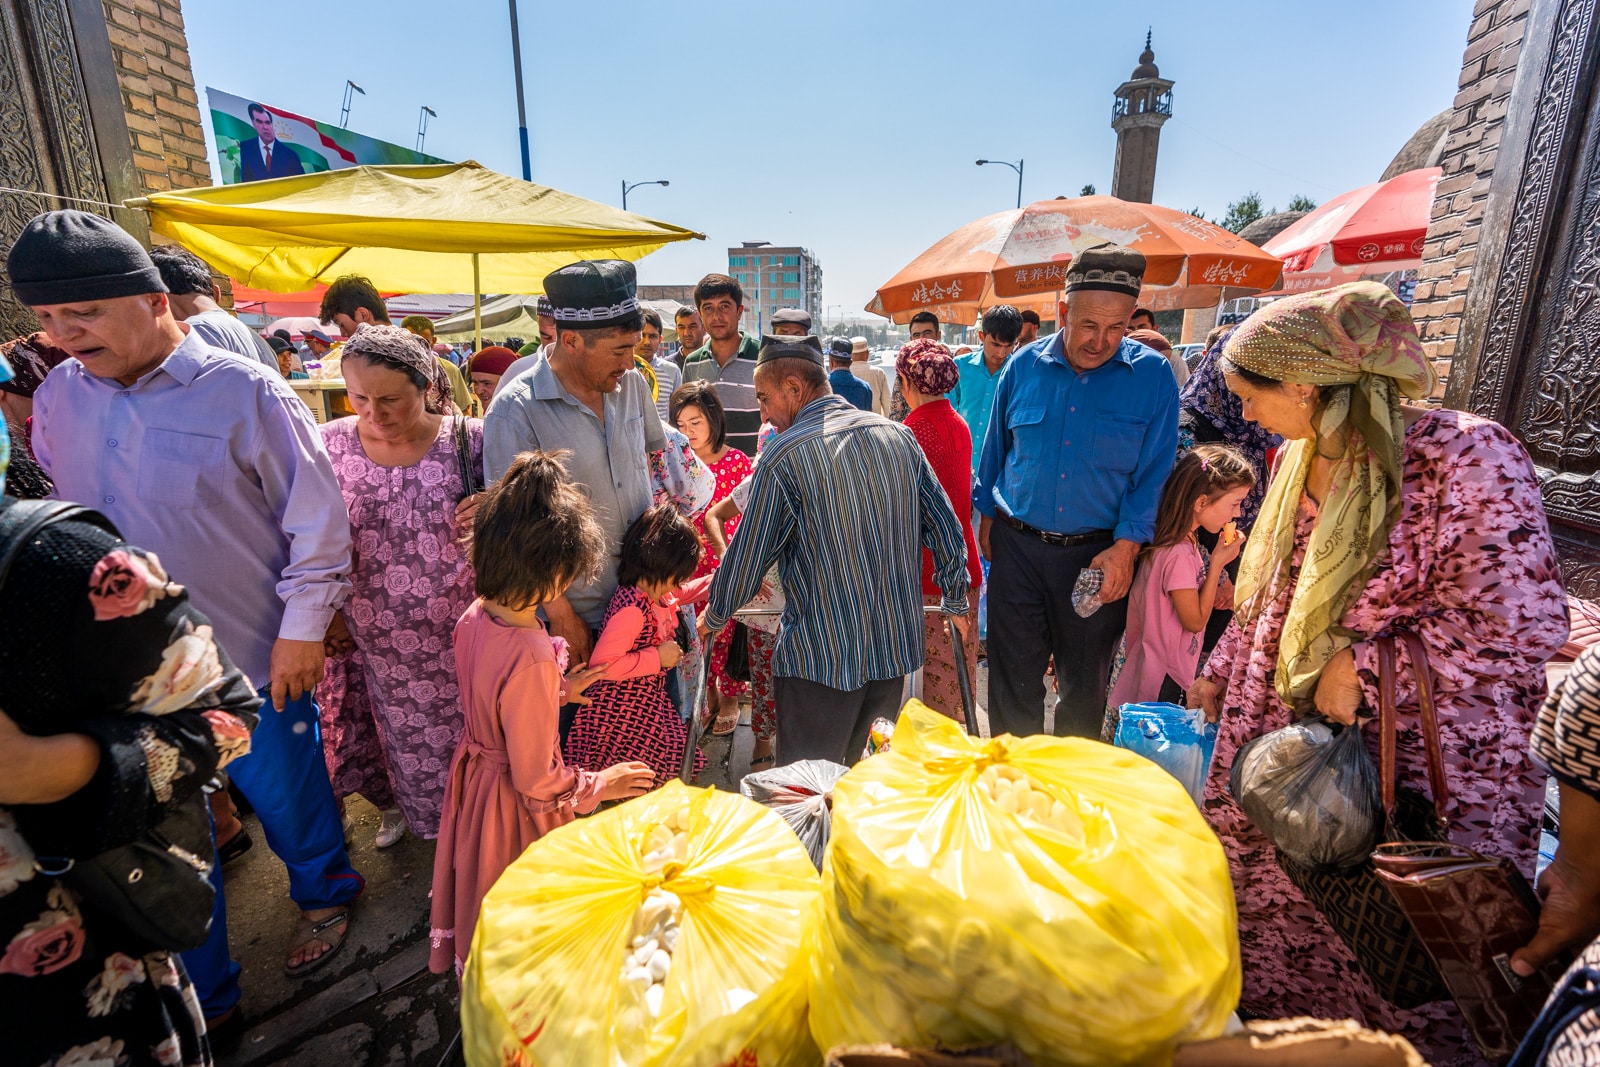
[[533, 534], [1176, 587], [629, 715], [698, 415]]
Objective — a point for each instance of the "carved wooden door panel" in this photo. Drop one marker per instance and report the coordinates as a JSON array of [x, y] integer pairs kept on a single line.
[[62, 129], [1556, 403], [1530, 340]]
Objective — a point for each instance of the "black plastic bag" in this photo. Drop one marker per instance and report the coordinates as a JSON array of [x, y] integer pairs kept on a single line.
[[737, 669], [1313, 790]]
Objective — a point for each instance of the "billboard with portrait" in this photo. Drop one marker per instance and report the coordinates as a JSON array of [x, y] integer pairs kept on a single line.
[[256, 140]]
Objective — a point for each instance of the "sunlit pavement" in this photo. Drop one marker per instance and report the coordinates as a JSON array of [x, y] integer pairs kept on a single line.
[[375, 1003]]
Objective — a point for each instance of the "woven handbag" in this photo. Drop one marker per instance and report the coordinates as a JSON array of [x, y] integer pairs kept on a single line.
[[1355, 902]]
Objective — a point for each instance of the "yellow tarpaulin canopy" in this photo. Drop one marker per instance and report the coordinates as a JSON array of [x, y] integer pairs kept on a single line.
[[415, 229]]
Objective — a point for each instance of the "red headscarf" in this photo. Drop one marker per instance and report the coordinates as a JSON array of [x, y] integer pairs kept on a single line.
[[492, 359], [928, 366]]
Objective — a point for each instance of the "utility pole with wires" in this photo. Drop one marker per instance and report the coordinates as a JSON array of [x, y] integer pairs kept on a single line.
[[422, 124], [344, 109]]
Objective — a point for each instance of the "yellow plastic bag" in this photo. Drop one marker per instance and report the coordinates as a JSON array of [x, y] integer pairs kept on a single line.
[[948, 921], [544, 980]]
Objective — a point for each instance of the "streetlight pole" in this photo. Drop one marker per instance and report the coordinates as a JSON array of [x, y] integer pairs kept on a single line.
[[344, 110], [1017, 166], [422, 124], [628, 188], [522, 107]]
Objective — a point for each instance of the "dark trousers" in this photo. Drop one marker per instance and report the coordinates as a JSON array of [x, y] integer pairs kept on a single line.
[[1031, 619], [817, 721]]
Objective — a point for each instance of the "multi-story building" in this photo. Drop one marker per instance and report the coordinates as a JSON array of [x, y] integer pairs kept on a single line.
[[774, 278], [683, 294]]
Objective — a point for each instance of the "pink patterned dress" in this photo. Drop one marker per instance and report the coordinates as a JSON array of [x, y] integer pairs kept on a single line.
[[733, 468], [629, 716], [391, 711], [1471, 569]]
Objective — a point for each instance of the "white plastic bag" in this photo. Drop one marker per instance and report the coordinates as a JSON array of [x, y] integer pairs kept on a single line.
[[802, 793]]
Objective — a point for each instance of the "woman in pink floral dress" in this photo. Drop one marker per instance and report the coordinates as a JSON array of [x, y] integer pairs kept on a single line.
[[391, 709], [1462, 558], [697, 413]]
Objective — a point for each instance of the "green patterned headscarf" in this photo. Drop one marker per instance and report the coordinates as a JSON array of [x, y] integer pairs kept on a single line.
[[1359, 344]]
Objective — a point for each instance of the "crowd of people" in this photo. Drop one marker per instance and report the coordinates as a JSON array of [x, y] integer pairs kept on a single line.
[[488, 627]]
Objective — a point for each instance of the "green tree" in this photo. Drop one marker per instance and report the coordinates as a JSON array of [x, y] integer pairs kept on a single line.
[[1087, 190], [1243, 211], [1197, 213], [1301, 203]]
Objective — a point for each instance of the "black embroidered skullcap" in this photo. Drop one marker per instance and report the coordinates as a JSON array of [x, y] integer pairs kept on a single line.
[[773, 347], [1107, 267], [593, 294]]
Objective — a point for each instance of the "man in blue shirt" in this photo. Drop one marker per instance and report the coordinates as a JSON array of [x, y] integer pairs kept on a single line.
[[842, 380], [1083, 435]]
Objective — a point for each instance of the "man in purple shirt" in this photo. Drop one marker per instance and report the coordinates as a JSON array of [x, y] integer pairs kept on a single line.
[[214, 464]]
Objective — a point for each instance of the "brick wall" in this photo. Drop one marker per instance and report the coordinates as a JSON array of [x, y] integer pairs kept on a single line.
[[158, 94], [1488, 67]]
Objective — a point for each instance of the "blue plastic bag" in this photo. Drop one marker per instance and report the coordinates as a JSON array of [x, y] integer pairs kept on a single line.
[[1178, 740]]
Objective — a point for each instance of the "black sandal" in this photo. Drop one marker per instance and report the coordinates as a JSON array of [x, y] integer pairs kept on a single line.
[[236, 846], [761, 761]]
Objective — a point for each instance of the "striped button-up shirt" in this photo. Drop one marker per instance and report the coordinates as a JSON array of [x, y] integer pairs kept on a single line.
[[844, 502]]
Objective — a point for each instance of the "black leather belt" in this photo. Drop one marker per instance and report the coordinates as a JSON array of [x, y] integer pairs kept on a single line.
[[1052, 538]]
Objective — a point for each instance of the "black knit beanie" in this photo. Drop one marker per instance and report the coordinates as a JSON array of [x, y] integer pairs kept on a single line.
[[67, 257]]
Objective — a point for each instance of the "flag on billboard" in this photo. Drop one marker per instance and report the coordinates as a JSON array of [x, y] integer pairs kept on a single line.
[[256, 140]]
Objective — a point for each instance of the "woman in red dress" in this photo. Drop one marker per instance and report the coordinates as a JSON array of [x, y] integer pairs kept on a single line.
[[697, 413], [926, 372]]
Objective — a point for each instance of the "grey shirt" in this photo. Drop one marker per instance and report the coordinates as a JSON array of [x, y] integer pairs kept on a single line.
[[736, 388], [221, 330], [609, 458]]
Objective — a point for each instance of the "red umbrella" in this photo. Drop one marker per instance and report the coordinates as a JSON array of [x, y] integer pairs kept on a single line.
[[1373, 229]]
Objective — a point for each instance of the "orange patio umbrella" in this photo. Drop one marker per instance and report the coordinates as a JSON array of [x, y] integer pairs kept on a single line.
[[1020, 257], [267, 302]]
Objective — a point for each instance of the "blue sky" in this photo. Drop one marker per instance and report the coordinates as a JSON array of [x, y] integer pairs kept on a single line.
[[851, 127]]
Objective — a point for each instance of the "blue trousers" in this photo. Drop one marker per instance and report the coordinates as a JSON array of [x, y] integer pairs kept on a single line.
[[286, 780]]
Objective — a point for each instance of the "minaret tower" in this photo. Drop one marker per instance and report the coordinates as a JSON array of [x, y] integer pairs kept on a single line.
[[1143, 103]]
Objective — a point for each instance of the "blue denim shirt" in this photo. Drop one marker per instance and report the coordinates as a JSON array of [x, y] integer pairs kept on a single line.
[[973, 397], [853, 389], [1074, 453]]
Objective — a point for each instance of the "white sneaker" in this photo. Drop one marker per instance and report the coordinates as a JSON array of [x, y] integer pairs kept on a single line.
[[392, 829]]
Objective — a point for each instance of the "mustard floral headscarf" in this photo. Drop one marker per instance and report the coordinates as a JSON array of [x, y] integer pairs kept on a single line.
[[649, 372], [1359, 344]]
